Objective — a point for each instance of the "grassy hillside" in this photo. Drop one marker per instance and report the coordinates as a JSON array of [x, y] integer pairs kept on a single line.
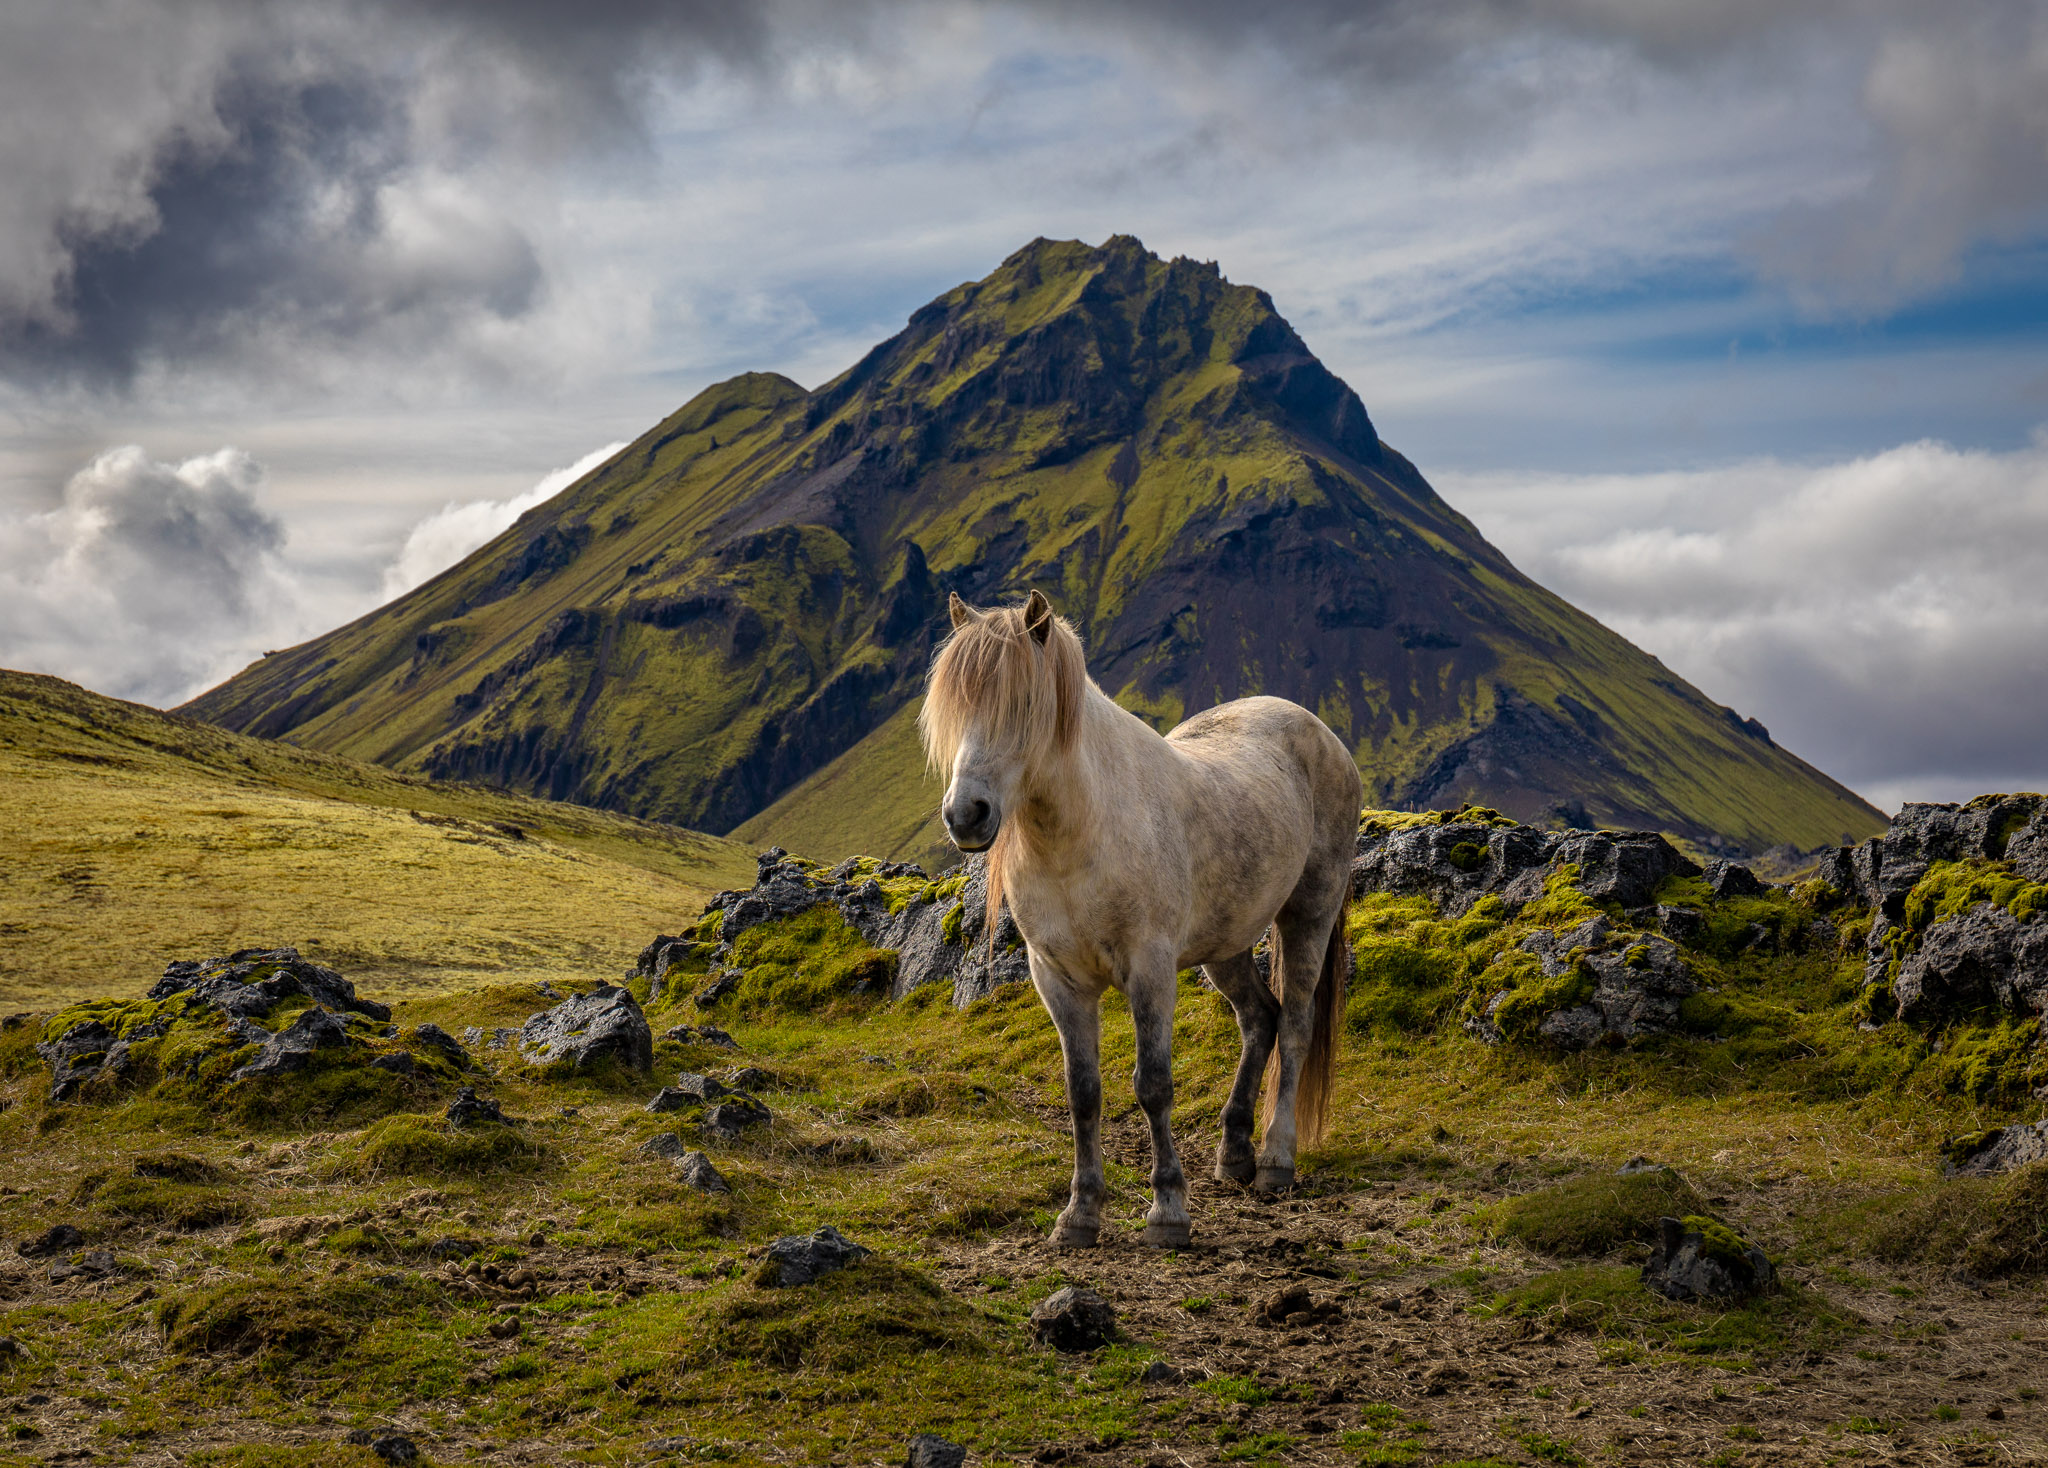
[[708, 621], [294, 1259], [163, 838]]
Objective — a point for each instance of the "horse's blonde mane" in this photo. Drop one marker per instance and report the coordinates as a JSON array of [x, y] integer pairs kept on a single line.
[[1027, 695]]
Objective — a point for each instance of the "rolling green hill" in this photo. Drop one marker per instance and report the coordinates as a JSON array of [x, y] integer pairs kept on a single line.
[[725, 625], [156, 837]]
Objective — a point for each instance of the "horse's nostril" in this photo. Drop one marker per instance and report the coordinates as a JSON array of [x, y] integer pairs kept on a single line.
[[978, 812]]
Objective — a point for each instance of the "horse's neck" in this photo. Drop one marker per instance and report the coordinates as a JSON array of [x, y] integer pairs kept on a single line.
[[1071, 801]]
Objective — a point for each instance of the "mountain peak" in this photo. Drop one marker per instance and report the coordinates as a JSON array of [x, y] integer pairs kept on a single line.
[[744, 601]]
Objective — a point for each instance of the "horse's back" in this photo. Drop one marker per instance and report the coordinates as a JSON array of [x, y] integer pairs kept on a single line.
[[1249, 730]]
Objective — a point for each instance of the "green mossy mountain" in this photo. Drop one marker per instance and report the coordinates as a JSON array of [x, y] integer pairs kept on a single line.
[[726, 625]]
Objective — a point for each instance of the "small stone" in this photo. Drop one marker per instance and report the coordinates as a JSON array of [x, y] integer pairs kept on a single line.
[[59, 1238], [701, 1088], [1158, 1373], [1073, 1319], [713, 1035], [99, 1262], [505, 1329], [797, 1259], [468, 1108], [728, 1119], [1704, 1259], [752, 1078], [450, 1249], [664, 1144], [395, 1449], [929, 1451], [669, 1099], [605, 1025], [10, 1347], [398, 1062], [1636, 1165], [718, 988], [696, 1170], [444, 1042]]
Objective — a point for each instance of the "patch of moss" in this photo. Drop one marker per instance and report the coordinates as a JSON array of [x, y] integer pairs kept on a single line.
[[183, 1206], [1717, 1239], [2002, 1063], [1950, 888], [425, 1145], [280, 1319], [807, 963], [1532, 995], [949, 926], [1610, 1301], [1591, 1215]]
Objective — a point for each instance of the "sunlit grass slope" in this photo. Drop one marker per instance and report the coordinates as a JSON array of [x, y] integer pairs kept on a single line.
[[152, 837], [708, 621]]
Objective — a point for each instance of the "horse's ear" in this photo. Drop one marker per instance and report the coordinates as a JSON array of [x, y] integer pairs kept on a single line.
[[959, 610], [1038, 617]]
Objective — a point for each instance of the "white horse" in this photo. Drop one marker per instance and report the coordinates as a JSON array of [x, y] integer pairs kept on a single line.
[[1126, 857]]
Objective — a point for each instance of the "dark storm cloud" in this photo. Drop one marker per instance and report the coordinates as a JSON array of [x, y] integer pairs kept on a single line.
[[243, 184]]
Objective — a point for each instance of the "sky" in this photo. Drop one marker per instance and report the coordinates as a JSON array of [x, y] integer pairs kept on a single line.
[[1729, 323]]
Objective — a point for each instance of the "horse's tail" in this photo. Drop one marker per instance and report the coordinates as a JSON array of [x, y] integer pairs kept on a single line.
[[1319, 1067]]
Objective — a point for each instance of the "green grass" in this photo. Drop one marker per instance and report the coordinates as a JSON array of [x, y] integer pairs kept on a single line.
[[1610, 1302], [1592, 1215]]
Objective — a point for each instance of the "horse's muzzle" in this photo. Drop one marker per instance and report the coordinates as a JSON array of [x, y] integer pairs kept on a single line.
[[971, 821]]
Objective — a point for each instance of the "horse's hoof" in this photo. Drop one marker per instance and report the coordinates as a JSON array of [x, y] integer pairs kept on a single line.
[[1274, 1180], [1075, 1236], [1235, 1172], [1166, 1235]]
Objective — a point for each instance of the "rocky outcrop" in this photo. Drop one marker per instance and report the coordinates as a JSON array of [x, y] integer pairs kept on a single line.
[[249, 983], [800, 1258], [2001, 1149], [1456, 862], [605, 1025], [292, 1047], [1602, 986], [1704, 1259], [1979, 957], [939, 932]]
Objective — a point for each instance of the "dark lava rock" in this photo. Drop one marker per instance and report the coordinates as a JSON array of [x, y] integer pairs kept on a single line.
[[729, 1118], [1679, 924], [468, 1108], [356, 1437], [668, 1099], [697, 1171], [58, 1238], [753, 1078], [1981, 956], [250, 981], [449, 1047], [718, 988], [1453, 864], [393, 1448], [927, 1451], [1638, 983], [603, 1025], [1703, 1259], [1726, 879], [498, 1038], [1073, 1319], [700, 1088], [800, 1258], [84, 1053], [663, 954], [713, 1035], [291, 1047], [398, 1062], [93, 1264], [664, 1144], [1999, 1150], [451, 1249], [1622, 866]]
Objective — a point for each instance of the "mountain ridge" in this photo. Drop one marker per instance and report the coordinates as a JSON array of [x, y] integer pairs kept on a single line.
[[748, 594]]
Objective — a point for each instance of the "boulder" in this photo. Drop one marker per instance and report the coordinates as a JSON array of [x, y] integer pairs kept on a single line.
[[664, 1144], [1622, 866], [1454, 864], [697, 1171], [468, 1109], [1704, 1259], [668, 1099], [293, 1046], [1999, 1150], [80, 1054], [1980, 956], [699, 1087], [251, 981], [1073, 1319], [1726, 879], [1634, 986], [930, 1451], [605, 1025], [800, 1258], [442, 1043]]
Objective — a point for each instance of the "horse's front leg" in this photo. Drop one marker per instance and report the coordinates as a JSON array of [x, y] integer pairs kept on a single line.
[[1077, 1015], [1152, 993]]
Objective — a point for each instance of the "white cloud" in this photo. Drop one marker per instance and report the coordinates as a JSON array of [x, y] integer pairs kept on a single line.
[[453, 531], [149, 580], [1884, 615]]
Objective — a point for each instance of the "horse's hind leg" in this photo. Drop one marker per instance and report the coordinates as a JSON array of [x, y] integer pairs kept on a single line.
[[1078, 1018], [1303, 940], [1152, 995], [1258, 1018]]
